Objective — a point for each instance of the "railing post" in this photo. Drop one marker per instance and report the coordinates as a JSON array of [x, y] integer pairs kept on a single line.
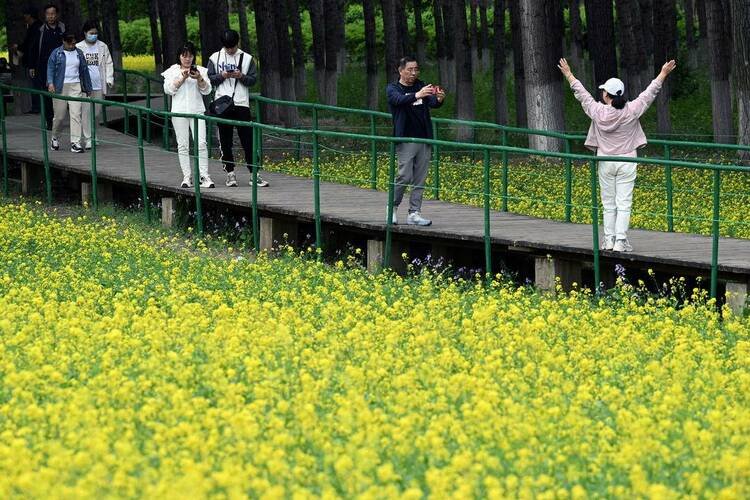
[[568, 183], [142, 164], [391, 195], [5, 145], [595, 224], [197, 180], [435, 163], [316, 194], [94, 176], [715, 234], [504, 207], [373, 156], [148, 105], [125, 100], [254, 162], [165, 126], [259, 149], [45, 147], [487, 235], [668, 175], [298, 147], [474, 141]]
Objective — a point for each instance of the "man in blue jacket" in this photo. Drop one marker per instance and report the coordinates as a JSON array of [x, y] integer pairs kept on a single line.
[[68, 75], [409, 101]]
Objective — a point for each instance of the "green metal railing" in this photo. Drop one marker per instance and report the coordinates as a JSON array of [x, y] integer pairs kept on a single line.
[[315, 134]]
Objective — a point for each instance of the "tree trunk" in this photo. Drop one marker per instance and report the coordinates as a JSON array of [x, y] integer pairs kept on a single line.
[[288, 114], [334, 25], [392, 41], [741, 69], [300, 75], [474, 35], [341, 33], [484, 35], [665, 48], [244, 29], [464, 81], [647, 37], [601, 37], [719, 64], [403, 29], [576, 45], [153, 14], [690, 40], [631, 48], [213, 16], [542, 33], [449, 8], [498, 70], [371, 54], [440, 50], [318, 24], [93, 9], [173, 29], [419, 38], [519, 75], [111, 30], [70, 15], [268, 53]]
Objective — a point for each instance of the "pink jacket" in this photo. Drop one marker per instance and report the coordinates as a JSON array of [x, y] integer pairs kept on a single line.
[[615, 132]]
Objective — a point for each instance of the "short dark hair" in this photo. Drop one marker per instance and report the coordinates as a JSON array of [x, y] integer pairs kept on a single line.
[[51, 6], [405, 60], [618, 101], [90, 25], [187, 48], [230, 38]]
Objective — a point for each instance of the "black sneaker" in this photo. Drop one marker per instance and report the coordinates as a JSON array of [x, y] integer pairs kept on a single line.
[[54, 144]]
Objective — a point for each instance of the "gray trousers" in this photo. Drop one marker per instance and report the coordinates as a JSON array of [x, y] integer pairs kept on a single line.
[[413, 166]]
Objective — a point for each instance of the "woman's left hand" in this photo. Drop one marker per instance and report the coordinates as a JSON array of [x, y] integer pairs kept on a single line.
[[565, 68]]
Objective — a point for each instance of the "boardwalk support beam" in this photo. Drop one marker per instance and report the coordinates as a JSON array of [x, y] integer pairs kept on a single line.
[[736, 296], [103, 192], [548, 269], [168, 211], [275, 232], [32, 179]]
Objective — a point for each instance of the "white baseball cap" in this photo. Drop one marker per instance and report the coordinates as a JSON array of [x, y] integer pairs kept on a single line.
[[613, 86]]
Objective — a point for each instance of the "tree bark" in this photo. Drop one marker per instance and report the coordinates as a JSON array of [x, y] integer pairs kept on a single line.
[[665, 48], [213, 16], [719, 64], [449, 8], [153, 14], [576, 42], [392, 40], [288, 114], [371, 55], [244, 29], [111, 30], [464, 80], [440, 49], [601, 38], [484, 34], [741, 69], [700, 8], [690, 40], [647, 37], [519, 74], [70, 15], [419, 38], [300, 75], [334, 30], [474, 35], [631, 48], [498, 70], [403, 29], [93, 9], [268, 54], [173, 29], [542, 33], [318, 24]]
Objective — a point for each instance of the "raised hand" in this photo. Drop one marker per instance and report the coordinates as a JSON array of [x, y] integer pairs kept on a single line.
[[668, 67], [564, 68]]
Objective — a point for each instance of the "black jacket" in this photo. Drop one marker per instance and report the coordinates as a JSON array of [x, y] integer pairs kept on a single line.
[[32, 35], [45, 41]]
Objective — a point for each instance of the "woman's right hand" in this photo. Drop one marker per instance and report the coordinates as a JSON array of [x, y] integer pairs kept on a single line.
[[668, 67]]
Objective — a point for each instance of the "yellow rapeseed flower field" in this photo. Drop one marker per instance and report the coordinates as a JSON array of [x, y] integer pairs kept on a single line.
[[137, 364]]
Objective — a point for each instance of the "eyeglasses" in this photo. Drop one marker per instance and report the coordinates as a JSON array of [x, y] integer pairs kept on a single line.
[[411, 70]]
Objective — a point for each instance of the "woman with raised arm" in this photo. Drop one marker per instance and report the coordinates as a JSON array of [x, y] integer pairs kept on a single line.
[[616, 131]]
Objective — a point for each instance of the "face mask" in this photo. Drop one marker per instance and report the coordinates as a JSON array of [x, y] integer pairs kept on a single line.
[[92, 38]]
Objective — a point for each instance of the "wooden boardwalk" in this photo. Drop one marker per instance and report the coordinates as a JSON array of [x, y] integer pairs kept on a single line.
[[363, 210]]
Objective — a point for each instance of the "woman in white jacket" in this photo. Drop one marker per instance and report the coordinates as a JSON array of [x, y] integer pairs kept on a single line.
[[187, 84], [101, 71]]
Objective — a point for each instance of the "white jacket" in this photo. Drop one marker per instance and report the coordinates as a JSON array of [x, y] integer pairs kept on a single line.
[[187, 98], [239, 87], [106, 65]]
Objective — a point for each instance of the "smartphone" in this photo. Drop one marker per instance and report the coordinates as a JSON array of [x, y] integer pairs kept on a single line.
[[193, 68]]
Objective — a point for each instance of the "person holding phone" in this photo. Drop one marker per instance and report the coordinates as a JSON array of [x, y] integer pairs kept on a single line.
[[187, 84], [410, 101]]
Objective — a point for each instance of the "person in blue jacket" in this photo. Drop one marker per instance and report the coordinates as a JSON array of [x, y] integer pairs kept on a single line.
[[68, 75], [410, 100]]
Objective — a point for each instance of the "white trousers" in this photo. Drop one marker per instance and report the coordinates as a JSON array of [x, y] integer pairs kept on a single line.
[[86, 114], [61, 111], [183, 131], [616, 181]]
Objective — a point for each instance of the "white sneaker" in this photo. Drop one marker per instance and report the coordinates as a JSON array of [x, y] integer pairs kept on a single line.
[[76, 148], [608, 243], [261, 182], [87, 145], [416, 219], [187, 182], [206, 182], [622, 246], [231, 179], [54, 144], [394, 219]]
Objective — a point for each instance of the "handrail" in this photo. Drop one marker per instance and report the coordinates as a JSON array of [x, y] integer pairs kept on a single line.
[[316, 134]]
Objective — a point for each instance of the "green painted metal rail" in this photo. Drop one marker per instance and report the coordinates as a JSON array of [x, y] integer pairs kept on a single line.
[[315, 134]]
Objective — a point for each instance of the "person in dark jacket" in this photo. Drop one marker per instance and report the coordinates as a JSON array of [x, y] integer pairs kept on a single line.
[[49, 37], [410, 100], [32, 33]]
